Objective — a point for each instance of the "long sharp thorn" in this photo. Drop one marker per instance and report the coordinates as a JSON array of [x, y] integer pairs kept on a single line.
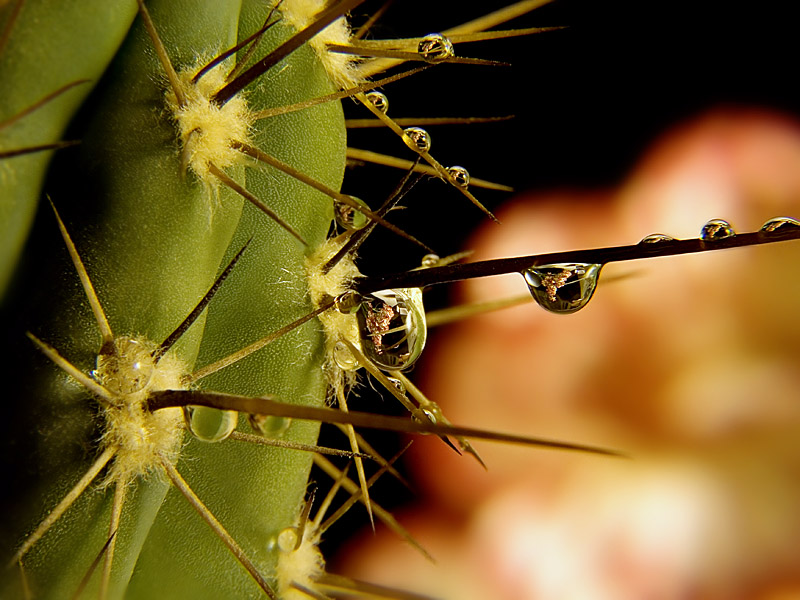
[[192, 317], [161, 53], [92, 567], [99, 315], [180, 483], [40, 103], [367, 589], [65, 503], [116, 515], [257, 439], [39, 148], [362, 478], [321, 21]]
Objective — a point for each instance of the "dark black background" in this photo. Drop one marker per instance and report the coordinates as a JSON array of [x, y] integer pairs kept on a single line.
[[588, 100]]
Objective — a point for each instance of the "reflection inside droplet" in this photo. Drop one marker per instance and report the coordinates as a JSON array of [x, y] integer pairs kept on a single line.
[[780, 224], [562, 288], [348, 217], [435, 47], [460, 175], [343, 358], [268, 425], [430, 260], [417, 139], [379, 101], [715, 230], [127, 369], [392, 327], [210, 424], [655, 238]]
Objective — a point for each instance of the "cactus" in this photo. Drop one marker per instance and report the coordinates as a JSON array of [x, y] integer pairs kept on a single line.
[[166, 198]]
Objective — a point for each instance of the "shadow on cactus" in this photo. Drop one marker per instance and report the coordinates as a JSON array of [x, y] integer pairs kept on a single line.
[[216, 140]]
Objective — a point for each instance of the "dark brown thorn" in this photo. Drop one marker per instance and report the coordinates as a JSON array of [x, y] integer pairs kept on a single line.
[[601, 256], [254, 347], [232, 184], [309, 592], [365, 588], [192, 317], [364, 87], [231, 51], [12, 19], [276, 443], [443, 173], [406, 56], [321, 21], [373, 18], [92, 567], [357, 154], [180, 483], [38, 148], [360, 235], [300, 531], [331, 193], [41, 102], [424, 121], [359, 494], [242, 63], [265, 406], [161, 53]]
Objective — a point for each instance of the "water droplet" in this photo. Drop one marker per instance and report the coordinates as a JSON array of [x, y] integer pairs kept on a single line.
[[379, 101], [268, 425], [562, 288], [287, 539], [343, 358], [430, 260], [392, 327], [435, 47], [716, 229], [397, 384], [460, 175], [780, 224], [348, 217], [655, 238], [417, 139], [210, 424], [127, 368], [348, 302]]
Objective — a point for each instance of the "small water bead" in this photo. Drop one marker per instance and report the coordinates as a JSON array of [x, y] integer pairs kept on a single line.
[[210, 424], [780, 224], [460, 175], [435, 47], [562, 288], [417, 139], [343, 358], [379, 101], [392, 327], [655, 238], [127, 368], [348, 217], [268, 425], [430, 260], [287, 539], [348, 302], [399, 386], [715, 230]]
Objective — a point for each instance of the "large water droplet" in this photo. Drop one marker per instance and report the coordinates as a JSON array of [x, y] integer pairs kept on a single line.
[[460, 175], [715, 230], [780, 224], [435, 47], [417, 139], [127, 369], [379, 101], [348, 217], [392, 327], [343, 357], [655, 238], [562, 288], [210, 424], [268, 425]]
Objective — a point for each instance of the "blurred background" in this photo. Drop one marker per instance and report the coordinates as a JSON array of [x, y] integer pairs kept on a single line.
[[639, 117]]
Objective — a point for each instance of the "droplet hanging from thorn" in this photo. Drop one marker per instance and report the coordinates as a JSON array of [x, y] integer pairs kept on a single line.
[[343, 358], [269, 426], [655, 238], [562, 288], [780, 224], [716, 229], [417, 139], [379, 101], [430, 260], [435, 47], [210, 424], [460, 175], [347, 217], [392, 327]]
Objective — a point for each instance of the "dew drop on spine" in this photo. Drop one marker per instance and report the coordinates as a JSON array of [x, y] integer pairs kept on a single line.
[[562, 288]]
